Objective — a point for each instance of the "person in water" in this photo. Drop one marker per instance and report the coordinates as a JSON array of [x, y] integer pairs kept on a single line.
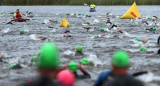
[[17, 14], [120, 65], [73, 66], [124, 80], [66, 77], [151, 29], [48, 64], [79, 51]]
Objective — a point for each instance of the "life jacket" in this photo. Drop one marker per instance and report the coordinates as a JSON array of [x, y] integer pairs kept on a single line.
[[18, 14], [92, 6]]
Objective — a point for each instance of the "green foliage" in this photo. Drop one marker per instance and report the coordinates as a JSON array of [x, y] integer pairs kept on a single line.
[[78, 2]]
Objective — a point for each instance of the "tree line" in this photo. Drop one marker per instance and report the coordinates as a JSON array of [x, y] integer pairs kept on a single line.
[[78, 2]]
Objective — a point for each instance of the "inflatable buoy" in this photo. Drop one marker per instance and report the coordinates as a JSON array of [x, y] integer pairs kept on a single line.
[[132, 13], [64, 23]]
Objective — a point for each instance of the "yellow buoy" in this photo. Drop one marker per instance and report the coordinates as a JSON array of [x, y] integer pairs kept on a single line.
[[64, 23], [132, 13]]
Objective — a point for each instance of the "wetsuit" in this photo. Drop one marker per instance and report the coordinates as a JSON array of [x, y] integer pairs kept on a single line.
[[41, 81], [124, 80], [84, 76], [78, 53], [158, 41], [104, 77]]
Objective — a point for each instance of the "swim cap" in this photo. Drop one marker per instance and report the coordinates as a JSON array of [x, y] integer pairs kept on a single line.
[[143, 48], [85, 61], [64, 35], [154, 28], [48, 56], [149, 18], [56, 21], [138, 39], [79, 48], [66, 77], [120, 59], [21, 32], [11, 66], [102, 29], [73, 66], [33, 58], [86, 26]]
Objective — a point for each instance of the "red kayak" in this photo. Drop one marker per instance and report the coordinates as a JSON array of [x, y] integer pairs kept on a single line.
[[20, 20]]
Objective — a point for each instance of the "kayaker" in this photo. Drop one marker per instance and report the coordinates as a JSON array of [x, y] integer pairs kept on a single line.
[[92, 7], [47, 63], [120, 65], [17, 14]]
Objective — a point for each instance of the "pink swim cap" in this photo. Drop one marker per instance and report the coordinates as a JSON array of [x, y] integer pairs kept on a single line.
[[66, 77], [64, 35]]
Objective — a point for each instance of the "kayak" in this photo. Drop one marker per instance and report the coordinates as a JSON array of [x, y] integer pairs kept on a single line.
[[20, 20], [92, 10]]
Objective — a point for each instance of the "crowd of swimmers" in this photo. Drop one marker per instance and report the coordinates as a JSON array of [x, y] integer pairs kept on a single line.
[[52, 74]]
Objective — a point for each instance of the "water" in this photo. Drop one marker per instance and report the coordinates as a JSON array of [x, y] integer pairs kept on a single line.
[[118, 10], [20, 48]]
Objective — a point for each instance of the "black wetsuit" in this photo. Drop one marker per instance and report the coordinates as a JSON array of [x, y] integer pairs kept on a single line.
[[84, 76], [124, 80], [78, 53], [107, 77], [158, 41], [42, 81]]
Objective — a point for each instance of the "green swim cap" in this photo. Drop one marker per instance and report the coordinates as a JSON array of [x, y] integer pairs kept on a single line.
[[79, 48], [75, 14], [11, 66], [48, 56], [21, 32], [102, 29], [154, 28], [86, 26], [138, 39], [56, 21], [84, 61], [86, 14], [73, 66], [149, 18], [120, 59], [143, 48], [33, 58]]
